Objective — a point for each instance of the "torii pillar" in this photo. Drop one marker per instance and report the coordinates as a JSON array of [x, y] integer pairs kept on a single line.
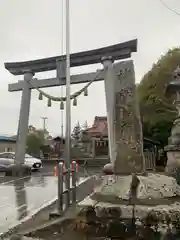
[[20, 169], [24, 118]]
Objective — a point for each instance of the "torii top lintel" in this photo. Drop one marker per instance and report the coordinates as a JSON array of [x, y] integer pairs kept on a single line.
[[117, 52]]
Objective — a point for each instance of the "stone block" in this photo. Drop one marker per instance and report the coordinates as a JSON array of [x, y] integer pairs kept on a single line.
[[108, 169], [151, 189], [173, 161], [173, 165]]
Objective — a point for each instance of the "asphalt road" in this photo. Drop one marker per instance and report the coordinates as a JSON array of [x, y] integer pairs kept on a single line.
[[48, 169]]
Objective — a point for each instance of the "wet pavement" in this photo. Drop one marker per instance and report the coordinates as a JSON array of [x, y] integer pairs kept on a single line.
[[21, 198], [47, 170]]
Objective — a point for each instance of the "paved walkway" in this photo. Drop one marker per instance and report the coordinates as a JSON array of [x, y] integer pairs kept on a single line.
[[19, 199]]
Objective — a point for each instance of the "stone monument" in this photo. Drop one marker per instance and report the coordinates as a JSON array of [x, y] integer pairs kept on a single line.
[[124, 125], [128, 129]]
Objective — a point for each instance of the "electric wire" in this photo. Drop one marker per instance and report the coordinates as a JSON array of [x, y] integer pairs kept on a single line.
[[169, 8]]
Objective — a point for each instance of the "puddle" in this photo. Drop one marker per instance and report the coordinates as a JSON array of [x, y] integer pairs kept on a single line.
[[20, 199]]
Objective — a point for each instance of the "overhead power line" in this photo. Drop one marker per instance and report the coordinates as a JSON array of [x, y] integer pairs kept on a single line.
[[169, 8]]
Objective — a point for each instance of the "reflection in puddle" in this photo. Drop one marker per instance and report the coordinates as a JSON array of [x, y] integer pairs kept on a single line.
[[24, 197], [35, 181], [21, 199], [20, 187]]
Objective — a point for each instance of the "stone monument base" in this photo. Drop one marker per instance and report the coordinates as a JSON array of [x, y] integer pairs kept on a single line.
[[156, 197], [173, 158], [18, 170]]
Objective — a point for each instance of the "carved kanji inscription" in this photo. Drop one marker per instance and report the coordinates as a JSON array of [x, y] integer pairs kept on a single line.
[[129, 142]]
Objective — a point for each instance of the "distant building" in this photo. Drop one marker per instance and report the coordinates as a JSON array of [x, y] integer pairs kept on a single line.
[[96, 138], [7, 144], [58, 145], [54, 148]]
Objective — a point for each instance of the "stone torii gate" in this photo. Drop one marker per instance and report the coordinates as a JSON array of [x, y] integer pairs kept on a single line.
[[124, 127]]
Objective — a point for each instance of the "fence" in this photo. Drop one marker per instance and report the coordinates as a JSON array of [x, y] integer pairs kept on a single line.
[[66, 186], [150, 160]]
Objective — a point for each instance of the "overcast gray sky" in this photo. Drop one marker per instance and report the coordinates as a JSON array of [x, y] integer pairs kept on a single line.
[[31, 29]]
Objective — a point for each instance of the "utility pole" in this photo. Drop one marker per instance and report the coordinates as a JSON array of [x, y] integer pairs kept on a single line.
[[62, 129], [68, 102], [44, 124], [68, 88]]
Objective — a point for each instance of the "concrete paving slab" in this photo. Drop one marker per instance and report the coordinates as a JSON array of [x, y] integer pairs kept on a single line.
[[22, 198]]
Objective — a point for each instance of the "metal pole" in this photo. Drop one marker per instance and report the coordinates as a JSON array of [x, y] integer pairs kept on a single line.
[[68, 100], [74, 178], [62, 66], [44, 124], [62, 127], [60, 169]]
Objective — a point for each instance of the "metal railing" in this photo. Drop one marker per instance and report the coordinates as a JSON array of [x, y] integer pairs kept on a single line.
[[67, 179], [66, 186]]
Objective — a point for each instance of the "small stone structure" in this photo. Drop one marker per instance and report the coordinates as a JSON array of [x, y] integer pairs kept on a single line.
[[173, 147]]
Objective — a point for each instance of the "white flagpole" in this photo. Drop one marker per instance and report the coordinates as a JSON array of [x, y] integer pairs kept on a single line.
[[68, 92]]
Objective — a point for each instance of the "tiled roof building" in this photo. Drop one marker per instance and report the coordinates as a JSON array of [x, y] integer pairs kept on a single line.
[[98, 135]]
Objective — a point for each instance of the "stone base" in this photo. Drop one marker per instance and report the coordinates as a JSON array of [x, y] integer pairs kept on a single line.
[[173, 161], [108, 169], [155, 193], [18, 170], [152, 186]]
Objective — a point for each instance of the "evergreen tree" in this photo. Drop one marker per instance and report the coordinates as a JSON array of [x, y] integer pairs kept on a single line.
[[76, 133], [85, 125]]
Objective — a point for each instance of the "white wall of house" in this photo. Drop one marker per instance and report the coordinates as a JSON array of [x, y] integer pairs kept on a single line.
[[7, 146]]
